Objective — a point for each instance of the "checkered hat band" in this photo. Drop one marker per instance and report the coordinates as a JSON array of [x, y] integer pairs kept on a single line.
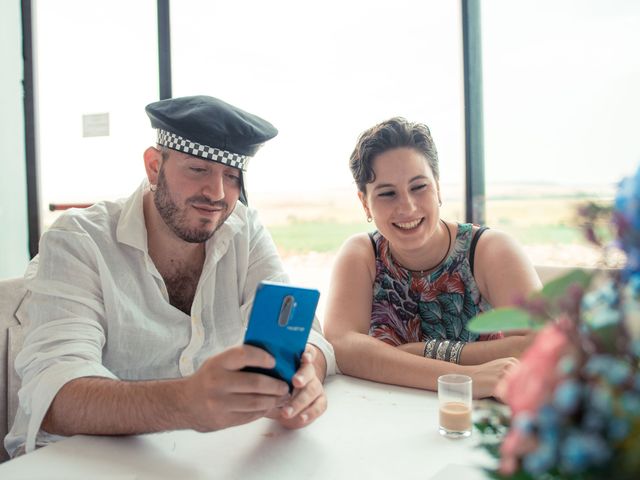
[[176, 142]]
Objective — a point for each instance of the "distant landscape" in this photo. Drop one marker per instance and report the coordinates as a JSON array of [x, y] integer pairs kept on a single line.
[[542, 217], [309, 229]]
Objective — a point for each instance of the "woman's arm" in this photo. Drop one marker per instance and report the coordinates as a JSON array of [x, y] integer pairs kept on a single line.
[[502, 270], [347, 320], [504, 274], [476, 353]]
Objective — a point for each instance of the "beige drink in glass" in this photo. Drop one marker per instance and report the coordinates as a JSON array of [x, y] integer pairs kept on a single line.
[[454, 398]]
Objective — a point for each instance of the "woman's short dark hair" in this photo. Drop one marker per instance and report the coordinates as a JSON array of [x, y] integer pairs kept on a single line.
[[396, 132]]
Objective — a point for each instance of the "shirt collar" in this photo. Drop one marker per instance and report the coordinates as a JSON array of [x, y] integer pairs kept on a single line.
[[131, 229]]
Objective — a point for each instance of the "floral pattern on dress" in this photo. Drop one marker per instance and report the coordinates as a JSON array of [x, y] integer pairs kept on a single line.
[[411, 308], [391, 328]]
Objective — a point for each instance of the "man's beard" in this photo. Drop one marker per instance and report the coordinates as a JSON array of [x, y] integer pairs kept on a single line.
[[176, 218]]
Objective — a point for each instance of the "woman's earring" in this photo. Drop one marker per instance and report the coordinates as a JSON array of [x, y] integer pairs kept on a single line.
[[369, 219]]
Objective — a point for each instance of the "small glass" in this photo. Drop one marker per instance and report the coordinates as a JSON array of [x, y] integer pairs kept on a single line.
[[454, 396]]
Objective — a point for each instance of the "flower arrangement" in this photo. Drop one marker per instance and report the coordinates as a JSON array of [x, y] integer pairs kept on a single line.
[[575, 397]]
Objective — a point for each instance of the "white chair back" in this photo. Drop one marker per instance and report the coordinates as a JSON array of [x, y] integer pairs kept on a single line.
[[11, 294]]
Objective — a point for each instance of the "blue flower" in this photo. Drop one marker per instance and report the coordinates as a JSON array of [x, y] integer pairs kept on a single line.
[[631, 403], [540, 460], [634, 283], [523, 421], [593, 421], [600, 400], [581, 451], [633, 259], [627, 219], [600, 307], [618, 373], [618, 429], [567, 396], [550, 437], [548, 418], [614, 370]]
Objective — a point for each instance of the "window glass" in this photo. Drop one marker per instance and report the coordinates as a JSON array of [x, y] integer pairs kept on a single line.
[[96, 69], [561, 104], [322, 73]]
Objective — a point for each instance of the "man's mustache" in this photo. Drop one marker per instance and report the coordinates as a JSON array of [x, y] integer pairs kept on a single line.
[[205, 201]]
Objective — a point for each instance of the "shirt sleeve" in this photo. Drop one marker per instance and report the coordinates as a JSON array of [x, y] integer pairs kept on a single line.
[[64, 332], [265, 265]]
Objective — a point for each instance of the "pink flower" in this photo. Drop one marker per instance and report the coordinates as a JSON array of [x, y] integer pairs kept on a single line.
[[514, 446], [527, 386]]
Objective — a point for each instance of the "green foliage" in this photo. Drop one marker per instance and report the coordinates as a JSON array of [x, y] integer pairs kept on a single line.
[[315, 236], [557, 288], [543, 305], [502, 319]]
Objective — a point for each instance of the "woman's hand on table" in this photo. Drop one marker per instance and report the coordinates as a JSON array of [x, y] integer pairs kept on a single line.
[[487, 376]]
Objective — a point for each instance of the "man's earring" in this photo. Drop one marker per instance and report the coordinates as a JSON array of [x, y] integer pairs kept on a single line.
[[153, 187]]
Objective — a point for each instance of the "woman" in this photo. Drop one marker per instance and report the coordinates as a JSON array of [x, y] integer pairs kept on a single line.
[[401, 298]]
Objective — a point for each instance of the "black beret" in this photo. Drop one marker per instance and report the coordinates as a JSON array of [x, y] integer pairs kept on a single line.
[[209, 128]]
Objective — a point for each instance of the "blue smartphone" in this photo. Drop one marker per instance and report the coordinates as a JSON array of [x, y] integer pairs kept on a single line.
[[280, 321]]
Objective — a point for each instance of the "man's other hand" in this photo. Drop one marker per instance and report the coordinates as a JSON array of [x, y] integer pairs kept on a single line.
[[308, 400]]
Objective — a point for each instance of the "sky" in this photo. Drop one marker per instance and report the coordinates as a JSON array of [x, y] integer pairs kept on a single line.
[[561, 78]]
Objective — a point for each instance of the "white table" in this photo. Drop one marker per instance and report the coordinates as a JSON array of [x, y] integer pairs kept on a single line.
[[370, 431]]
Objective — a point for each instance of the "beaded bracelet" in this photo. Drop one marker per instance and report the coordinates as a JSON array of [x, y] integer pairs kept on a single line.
[[447, 355], [443, 350], [456, 351], [429, 348]]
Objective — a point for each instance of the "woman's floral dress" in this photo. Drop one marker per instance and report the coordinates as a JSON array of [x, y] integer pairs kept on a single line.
[[411, 308]]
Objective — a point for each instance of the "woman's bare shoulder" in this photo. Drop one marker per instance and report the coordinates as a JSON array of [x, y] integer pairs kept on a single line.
[[357, 252]]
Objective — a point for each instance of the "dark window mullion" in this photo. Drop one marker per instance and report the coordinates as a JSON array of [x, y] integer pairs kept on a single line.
[[164, 49], [31, 157], [473, 117]]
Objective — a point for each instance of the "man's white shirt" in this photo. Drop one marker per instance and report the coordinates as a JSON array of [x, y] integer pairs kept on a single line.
[[97, 306]]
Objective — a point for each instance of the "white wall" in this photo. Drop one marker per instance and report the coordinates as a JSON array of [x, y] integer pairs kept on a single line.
[[14, 250]]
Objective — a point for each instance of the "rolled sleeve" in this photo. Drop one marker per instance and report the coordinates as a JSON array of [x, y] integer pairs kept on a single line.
[[64, 333], [55, 353], [317, 339]]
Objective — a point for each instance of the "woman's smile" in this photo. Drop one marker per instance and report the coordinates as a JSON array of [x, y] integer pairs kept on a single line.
[[409, 225]]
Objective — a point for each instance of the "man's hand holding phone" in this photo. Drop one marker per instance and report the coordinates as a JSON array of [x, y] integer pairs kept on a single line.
[[221, 394], [280, 321]]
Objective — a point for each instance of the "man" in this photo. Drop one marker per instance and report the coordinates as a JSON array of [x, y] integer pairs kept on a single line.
[[136, 309]]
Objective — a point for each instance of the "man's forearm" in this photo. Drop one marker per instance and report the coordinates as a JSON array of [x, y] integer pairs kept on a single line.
[[100, 406]]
